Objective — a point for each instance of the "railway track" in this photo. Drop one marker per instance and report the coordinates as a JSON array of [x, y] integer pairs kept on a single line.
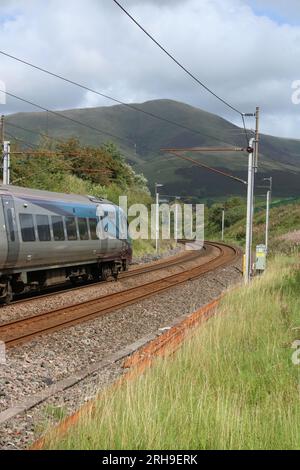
[[132, 272], [21, 331]]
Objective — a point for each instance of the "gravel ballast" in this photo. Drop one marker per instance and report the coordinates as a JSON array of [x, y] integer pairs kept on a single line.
[[46, 360]]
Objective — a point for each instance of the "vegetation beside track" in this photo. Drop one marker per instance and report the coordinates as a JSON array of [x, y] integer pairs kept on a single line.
[[232, 385], [67, 166], [284, 218]]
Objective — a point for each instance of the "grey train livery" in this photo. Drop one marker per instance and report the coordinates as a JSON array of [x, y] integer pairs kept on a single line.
[[50, 238]]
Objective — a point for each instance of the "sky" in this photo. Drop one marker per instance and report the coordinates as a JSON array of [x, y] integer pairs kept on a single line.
[[247, 51]]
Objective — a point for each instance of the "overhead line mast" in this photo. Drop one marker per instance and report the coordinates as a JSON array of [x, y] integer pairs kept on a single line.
[[5, 151], [252, 150], [127, 105]]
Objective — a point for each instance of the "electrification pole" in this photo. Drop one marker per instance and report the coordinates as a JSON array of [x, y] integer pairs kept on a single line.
[[223, 223], [252, 169], [249, 221], [257, 116], [2, 129], [6, 162], [176, 219], [157, 185], [2, 140], [267, 220], [269, 195], [5, 149]]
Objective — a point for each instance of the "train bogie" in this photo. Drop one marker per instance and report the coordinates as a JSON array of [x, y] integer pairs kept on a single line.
[[48, 238]]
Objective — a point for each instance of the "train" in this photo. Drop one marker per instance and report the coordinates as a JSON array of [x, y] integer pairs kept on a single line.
[[48, 239]]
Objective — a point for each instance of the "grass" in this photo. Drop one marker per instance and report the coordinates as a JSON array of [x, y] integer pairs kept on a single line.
[[150, 135], [55, 412], [283, 219], [147, 247], [232, 385]]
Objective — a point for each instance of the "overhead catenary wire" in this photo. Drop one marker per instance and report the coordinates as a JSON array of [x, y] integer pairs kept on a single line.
[[46, 152], [40, 150], [62, 116], [42, 134], [55, 140], [127, 105], [105, 171], [69, 154], [202, 165], [188, 72], [31, 145], [59, 114], [33, 131]]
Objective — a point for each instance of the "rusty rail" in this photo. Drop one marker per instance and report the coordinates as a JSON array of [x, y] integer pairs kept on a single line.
[[22, 331]]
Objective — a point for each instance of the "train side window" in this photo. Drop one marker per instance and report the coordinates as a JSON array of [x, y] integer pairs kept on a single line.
[[11, 225], [83, 228], [43, 228], [93, 227], [71, 228], [27, 227], [58, 228]]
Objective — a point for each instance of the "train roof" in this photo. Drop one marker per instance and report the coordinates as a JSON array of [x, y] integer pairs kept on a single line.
[[18, 191]]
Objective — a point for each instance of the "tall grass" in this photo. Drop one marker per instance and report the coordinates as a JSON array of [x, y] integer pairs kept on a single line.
[[232, 385]]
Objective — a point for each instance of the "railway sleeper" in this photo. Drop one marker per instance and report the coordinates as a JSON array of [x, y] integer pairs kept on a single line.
[[32, 281]]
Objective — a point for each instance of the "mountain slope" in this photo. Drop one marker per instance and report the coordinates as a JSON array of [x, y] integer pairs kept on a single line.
[[142, 137]]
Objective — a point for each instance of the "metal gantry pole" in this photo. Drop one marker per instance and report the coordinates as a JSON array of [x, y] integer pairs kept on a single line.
[[157, 185], [176, 222], [2, 129], [157, 221], [6, 163], [267, 220], [223, 223], [2, 143], [249, 222], [269, 194], [252, 169], [257, 116]]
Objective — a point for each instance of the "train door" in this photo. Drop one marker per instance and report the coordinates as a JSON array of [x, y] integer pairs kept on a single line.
[[13, 243], [110, 227], [107, 230]]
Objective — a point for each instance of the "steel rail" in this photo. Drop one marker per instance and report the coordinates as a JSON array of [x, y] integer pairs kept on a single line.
[[23, 330], [134, 271]]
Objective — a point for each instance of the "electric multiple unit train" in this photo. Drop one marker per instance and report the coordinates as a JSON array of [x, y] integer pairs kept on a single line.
[[50, 238]]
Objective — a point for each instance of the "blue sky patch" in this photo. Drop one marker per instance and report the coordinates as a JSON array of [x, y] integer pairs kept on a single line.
[[275, 13]]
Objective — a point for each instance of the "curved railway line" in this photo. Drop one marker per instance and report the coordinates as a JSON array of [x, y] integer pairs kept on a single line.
[[132, 272], [23, 330]]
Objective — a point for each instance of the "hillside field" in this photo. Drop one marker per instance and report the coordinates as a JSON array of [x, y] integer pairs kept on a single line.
[[142, 137]]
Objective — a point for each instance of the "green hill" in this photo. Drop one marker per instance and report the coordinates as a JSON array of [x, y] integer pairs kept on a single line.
[[143, 137]]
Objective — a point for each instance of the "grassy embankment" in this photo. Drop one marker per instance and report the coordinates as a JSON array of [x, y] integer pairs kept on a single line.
[[231, 386], [284, 218]]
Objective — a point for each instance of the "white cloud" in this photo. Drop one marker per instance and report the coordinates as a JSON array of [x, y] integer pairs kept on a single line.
[[288, 11], [249, 60]]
